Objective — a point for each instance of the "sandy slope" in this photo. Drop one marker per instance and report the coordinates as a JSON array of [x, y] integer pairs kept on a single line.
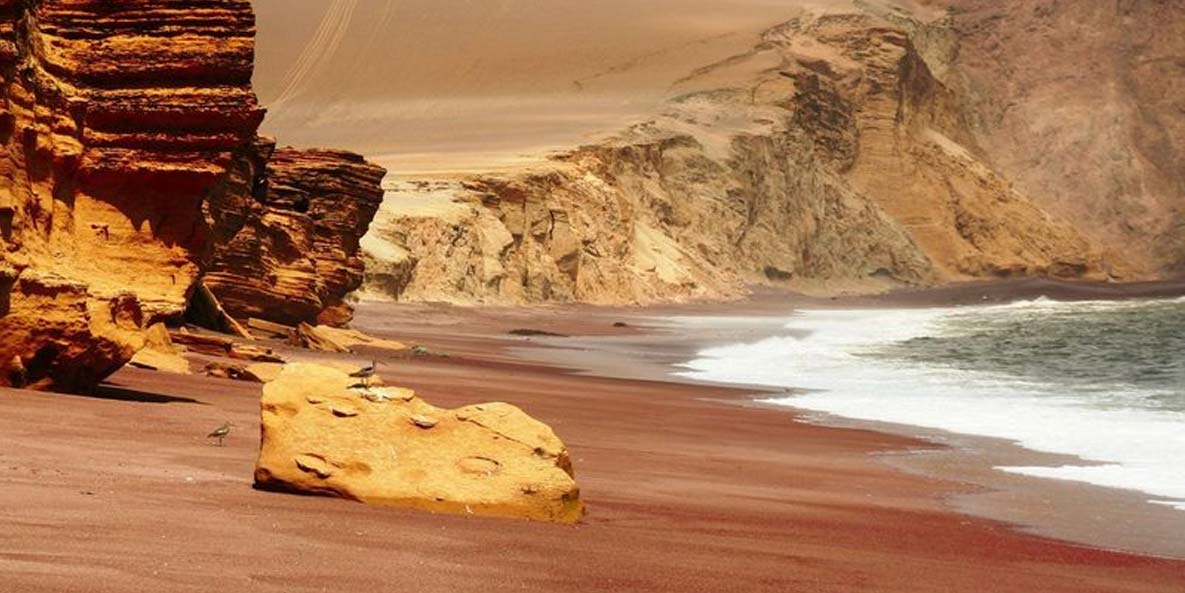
[[475, 84]]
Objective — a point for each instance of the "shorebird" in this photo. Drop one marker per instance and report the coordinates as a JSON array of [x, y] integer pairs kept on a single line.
[[366, 373], [221, 432]]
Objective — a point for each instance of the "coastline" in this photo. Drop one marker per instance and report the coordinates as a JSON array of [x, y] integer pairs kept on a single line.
[[298, 297], [1063, 510], [1059, 509], [687, 490]]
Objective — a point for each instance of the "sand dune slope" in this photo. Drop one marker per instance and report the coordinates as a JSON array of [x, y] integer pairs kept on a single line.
[[467, 85]]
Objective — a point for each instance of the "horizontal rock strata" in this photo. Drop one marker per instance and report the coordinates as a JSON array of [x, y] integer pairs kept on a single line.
[[288, 251], [114, 131], [120, 123]]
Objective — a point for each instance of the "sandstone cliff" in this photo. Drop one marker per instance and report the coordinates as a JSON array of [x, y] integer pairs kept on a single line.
[[114, 131], [120, 121], [286, 246], [829, 157]]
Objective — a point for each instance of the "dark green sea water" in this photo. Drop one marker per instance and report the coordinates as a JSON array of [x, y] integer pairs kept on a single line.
[[1100, 381], [1124, 354]]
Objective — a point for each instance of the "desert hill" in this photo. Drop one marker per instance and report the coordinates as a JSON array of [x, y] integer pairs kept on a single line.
[[427, 86], [561, 151]]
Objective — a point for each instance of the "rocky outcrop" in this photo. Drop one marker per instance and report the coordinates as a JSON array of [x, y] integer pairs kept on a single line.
[[829, 158], [114, 130], [385, 446], [1091, 125], [160, 353], [287, 250], [120, 123]]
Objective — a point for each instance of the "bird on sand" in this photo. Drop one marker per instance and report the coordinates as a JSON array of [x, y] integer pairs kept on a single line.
[[221, 432], [366, 373]]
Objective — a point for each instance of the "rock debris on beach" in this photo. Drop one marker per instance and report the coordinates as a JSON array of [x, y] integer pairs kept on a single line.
[[385, 446]]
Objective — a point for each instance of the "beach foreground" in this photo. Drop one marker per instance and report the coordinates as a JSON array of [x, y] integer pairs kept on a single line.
[[687, 492]]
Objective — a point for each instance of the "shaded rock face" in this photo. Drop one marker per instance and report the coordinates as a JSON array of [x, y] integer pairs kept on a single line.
[[286, 247], [120, 122], [829, 158], [385, 446], [1082, 105]]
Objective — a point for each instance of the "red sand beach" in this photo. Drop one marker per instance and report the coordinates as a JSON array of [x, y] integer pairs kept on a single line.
[[687, 492]]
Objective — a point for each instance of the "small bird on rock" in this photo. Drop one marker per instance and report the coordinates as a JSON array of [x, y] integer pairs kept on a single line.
[[366, 373], [221, 432]]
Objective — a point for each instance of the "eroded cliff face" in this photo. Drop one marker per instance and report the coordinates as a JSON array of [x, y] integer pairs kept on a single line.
[[1082, 105], [114, 129], [830, 157], [286, 244], [119, 120]]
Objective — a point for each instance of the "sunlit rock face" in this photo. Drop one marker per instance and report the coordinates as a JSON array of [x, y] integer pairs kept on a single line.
[[120, 121], [286, 248], [324, 435], [114, 130]]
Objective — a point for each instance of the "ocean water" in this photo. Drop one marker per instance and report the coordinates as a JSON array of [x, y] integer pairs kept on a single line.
[[1101, 381]]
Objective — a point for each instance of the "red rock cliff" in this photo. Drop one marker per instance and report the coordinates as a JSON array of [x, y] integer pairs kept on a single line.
[[288, 251], [120, 120]]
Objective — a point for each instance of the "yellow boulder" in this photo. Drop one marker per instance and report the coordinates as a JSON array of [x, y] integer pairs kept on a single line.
[[324, 433]]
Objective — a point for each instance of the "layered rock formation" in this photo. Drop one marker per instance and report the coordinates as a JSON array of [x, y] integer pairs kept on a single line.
[[114, 130], [829, 157], [120, 121], [385, 446], [286, 248]]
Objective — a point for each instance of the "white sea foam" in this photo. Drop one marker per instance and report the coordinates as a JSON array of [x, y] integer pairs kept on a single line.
[[1130, 447]]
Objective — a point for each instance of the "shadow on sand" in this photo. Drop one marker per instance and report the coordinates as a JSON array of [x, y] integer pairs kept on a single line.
[[117, 393]]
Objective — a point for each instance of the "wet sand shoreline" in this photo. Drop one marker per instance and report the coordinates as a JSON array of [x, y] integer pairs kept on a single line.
[[1086, 514], [687, 491]]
